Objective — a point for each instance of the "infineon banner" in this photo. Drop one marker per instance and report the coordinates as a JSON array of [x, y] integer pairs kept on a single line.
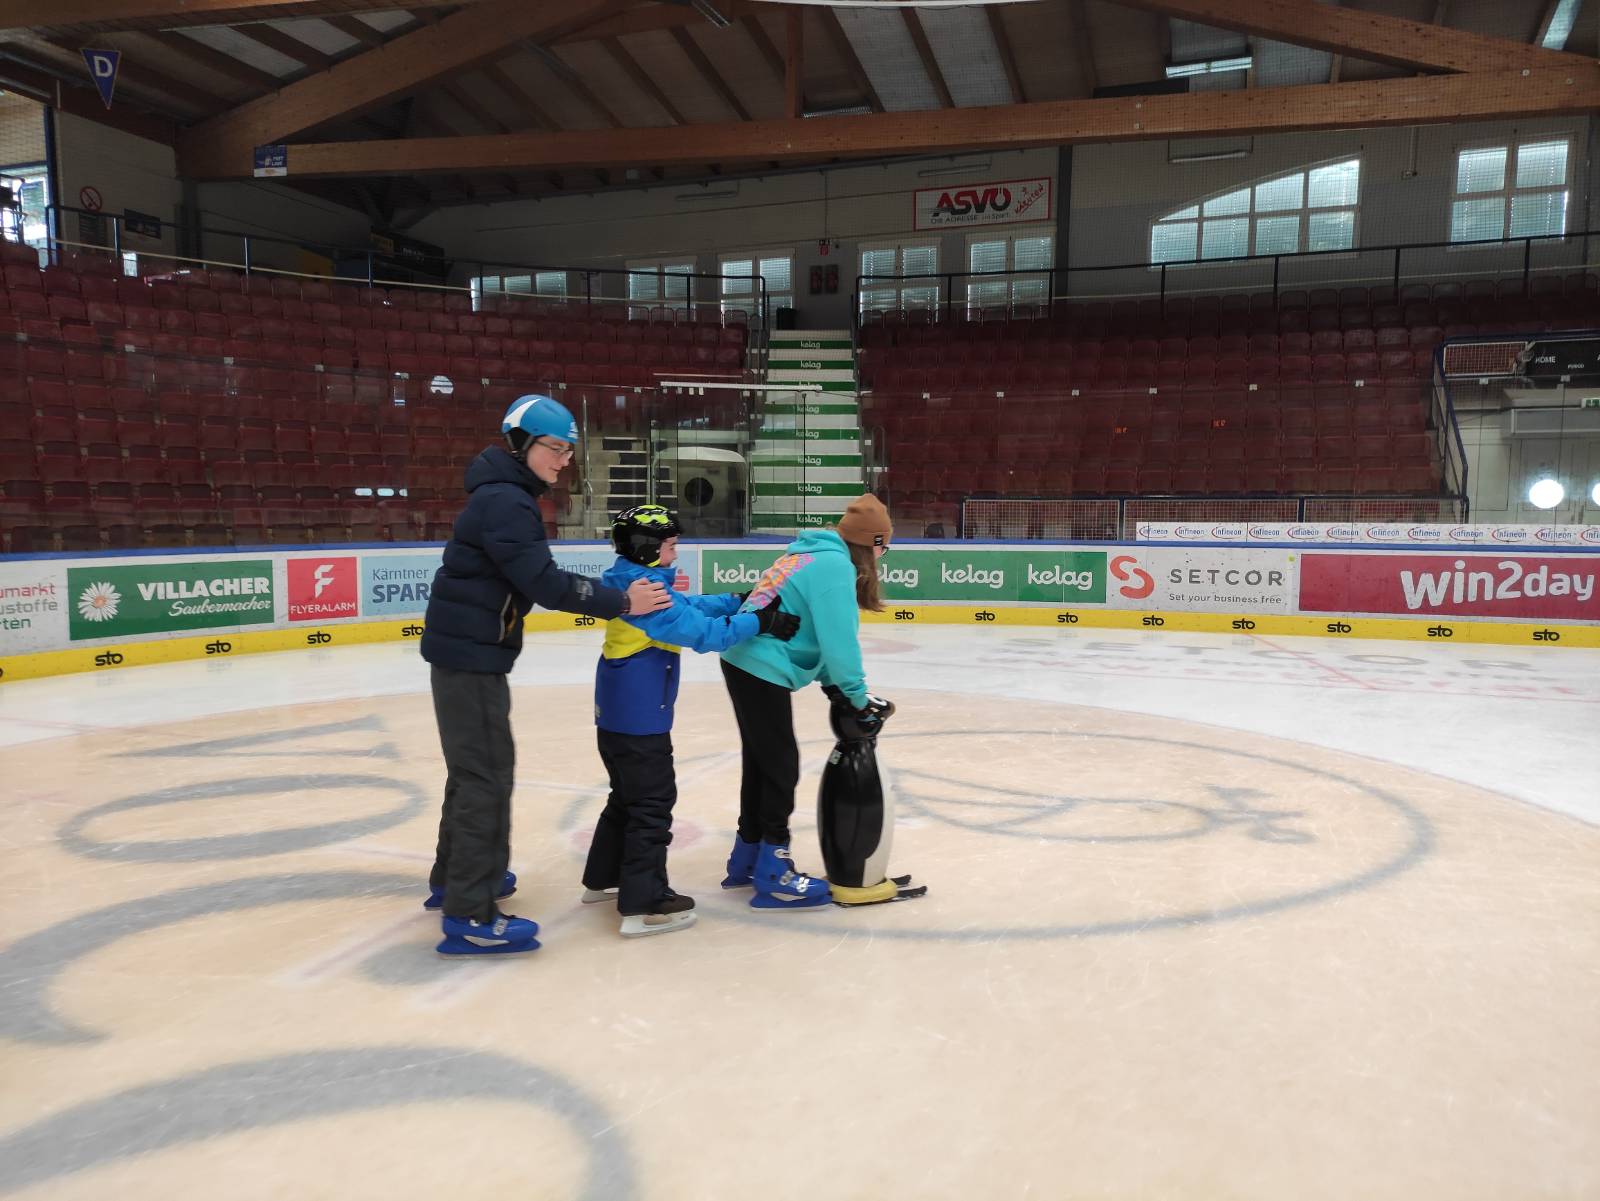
[[1369, 534], [128, 597], [1047, 575], [1554, 587]]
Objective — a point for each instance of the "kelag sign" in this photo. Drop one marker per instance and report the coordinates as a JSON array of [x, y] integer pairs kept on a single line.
[[997, 576], [113, 601]]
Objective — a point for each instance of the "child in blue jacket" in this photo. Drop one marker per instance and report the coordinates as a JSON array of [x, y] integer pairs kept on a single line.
[[635, 688]]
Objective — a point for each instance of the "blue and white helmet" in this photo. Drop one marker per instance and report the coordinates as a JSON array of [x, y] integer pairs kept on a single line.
[[534, 416]]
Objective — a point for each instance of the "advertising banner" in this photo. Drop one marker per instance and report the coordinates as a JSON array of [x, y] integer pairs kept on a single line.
[[114, 600], [965, 205], [1047, 576], [1220, 579], [1552, 588], [1369, 534], [322, 588], [397, 585], [33, 606]]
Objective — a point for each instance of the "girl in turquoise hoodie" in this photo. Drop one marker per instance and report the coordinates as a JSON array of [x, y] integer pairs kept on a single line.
[[827, 577]]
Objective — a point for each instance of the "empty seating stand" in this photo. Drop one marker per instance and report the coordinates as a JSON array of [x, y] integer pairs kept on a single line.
[[205, 407], [1322, 392]]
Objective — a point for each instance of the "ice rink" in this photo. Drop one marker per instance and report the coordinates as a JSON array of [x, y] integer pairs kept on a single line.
[[1209, 918]]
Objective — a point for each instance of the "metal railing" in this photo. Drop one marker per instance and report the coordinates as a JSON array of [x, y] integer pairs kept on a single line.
[[1057, 284], [597, 286]]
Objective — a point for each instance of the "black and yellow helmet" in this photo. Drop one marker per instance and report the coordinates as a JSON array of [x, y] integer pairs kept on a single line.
[[638, 533]]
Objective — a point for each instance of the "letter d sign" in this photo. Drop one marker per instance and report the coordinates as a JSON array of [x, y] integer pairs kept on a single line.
[[103, 65]]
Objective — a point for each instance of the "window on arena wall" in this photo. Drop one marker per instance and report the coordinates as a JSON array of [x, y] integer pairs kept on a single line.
[[662, 280], [1514, 191], [27, 222], [776, 270], [1311, 209], [899, 259], [1025, 251], [540, 283]]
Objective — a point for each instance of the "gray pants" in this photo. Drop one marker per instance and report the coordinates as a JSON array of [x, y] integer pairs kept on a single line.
[[474, 714]]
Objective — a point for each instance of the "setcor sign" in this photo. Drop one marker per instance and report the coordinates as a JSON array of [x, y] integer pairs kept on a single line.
[[972, 204]]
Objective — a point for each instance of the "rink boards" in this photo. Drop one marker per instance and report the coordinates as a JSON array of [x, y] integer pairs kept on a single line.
[[60, 615]]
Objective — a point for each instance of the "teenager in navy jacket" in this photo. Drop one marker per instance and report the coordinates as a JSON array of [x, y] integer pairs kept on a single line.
[[496, 567], [635, 689]]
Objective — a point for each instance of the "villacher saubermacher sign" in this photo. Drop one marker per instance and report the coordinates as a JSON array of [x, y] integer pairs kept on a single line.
[[972, 204]]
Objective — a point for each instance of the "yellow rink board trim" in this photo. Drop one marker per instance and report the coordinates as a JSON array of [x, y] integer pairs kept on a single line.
[[251, 642]]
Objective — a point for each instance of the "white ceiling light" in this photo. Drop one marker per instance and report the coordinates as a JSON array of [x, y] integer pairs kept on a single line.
[[1215, 66], [1560, 28], [710, 12], [842, 110], [1546, 493]]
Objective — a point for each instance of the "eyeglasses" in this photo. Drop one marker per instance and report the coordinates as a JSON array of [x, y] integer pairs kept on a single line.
[[560, 452]]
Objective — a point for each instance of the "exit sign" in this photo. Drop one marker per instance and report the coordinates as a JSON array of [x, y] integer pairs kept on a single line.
[[1590, 402]]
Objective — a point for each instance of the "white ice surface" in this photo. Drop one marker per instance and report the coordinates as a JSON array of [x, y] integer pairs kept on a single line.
[[1520, 721]]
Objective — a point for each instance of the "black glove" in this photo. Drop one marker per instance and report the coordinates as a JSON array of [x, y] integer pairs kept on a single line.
[[869, 718], [772, 620]]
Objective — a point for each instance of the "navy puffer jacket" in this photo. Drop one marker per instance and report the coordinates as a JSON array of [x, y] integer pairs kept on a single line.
[[496, 567]]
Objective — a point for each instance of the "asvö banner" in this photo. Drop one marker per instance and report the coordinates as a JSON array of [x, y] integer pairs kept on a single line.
[[1002, 202], [116, 599]]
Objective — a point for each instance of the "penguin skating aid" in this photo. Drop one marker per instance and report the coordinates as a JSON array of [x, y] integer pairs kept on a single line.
[[855, 815]]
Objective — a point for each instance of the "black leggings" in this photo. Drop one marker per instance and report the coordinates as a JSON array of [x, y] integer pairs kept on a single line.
[[765, 714]]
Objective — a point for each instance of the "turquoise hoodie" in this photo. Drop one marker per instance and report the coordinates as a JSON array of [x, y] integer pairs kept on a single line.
[[816, 579]]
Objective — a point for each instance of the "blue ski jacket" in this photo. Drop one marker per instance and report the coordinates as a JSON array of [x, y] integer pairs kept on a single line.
[[636, 680], [497, 566]]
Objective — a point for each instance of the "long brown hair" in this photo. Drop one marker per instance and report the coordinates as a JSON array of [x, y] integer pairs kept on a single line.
[[867, 594]]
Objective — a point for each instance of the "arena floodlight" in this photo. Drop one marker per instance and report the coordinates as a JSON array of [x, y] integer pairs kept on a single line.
[[1562, 18], [710, 12], [1215, 66], [1546, 492], [842, 110]]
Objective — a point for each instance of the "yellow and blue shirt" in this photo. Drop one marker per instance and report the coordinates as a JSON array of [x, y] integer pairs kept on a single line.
[[636, 680]]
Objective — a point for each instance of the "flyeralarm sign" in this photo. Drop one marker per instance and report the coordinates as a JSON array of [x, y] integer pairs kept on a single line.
[[962, 205]]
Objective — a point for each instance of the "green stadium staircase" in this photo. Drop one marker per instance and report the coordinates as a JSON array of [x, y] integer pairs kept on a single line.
[[807, 461]]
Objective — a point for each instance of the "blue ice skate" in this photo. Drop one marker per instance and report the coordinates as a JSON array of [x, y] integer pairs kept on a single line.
[[436, 895], [505, 935], [779, 886], [741, 863]]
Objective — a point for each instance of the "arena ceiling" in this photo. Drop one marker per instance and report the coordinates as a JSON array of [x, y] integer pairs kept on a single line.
[[443, 103]]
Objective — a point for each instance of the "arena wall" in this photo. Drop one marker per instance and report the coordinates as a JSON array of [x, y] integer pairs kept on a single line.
[[61, 614]]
